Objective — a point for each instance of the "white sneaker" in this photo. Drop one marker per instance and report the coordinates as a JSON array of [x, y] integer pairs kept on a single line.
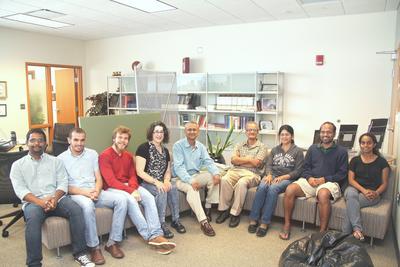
[[84, 261]]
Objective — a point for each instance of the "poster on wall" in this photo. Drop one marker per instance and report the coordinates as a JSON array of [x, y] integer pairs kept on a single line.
[[3, 89], [3, 110]]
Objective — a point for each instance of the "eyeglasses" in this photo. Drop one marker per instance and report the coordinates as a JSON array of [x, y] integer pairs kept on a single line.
[[252, 130], [38, 140], [158, 132], [191, 129]]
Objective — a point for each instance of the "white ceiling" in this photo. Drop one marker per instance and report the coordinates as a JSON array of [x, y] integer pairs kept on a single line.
[[96, 19]]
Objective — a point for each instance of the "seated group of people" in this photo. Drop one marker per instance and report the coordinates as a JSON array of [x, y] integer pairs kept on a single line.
[[79, 180]]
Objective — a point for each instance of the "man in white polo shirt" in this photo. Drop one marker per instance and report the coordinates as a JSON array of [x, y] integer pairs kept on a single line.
[[85, 187]]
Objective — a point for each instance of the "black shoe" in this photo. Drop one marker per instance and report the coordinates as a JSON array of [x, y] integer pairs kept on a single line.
[[261, 232], [235, 220], [178, 227], [223, 216], [252, 228], [208, 214], [167, 233]]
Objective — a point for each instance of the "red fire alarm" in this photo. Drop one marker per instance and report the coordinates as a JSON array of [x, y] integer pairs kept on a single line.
[[319, 60]]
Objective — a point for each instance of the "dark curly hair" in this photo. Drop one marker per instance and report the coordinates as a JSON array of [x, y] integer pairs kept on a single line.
[[289, 129], [375, 150], [150, 131], [37, 131]]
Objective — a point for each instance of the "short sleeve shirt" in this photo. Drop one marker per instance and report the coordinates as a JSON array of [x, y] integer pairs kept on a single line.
[[368, 175], [156, 162], [256, 151]]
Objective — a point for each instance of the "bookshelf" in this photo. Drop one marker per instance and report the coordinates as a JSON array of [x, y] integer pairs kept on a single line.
[[225, 99], [122, 95]]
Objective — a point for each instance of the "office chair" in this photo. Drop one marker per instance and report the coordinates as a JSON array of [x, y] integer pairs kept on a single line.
[[60, 142], [347, 135], [378, 128], [7, 194], [316, 138]]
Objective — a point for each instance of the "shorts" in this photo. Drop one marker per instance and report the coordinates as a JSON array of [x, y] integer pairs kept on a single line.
[[310, 191]]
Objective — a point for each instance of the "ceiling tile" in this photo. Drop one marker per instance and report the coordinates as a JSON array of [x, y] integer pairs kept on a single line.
[[245, 10], [282, 9], [324, 9]]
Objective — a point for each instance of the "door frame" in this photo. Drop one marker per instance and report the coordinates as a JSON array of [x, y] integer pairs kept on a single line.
[[78, 96]]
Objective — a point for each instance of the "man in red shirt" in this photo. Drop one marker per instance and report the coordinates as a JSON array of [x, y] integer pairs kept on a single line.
[[118, 170]]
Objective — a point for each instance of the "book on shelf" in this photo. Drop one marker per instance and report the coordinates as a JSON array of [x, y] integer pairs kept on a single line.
[[190, 100], [235, 102], [198, 118], [238, 122], [128, 101]]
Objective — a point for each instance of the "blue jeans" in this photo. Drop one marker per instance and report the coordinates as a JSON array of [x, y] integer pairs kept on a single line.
[[172, 197], [265, 200], [148, 224], [106, 199], [35, 216], [355, 200]]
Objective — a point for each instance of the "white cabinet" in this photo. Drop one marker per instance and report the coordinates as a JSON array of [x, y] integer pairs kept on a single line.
[[219, 101]]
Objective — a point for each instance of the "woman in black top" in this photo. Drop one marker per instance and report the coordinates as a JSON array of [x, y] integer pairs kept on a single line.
[[154, 168], [368, 179]]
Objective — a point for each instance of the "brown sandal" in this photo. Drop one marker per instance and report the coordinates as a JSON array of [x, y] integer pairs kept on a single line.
[[284, 234]]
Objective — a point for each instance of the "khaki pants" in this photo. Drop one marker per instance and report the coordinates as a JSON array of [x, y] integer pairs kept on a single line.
[[193, 196], [234, 186]]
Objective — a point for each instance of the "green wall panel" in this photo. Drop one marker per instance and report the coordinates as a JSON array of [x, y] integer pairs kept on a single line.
[[99, 129]]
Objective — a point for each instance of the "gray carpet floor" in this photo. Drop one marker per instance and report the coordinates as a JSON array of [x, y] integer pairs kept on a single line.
[[230, 247]]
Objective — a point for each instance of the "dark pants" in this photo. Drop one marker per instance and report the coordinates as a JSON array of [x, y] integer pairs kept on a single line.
[[35, 217]]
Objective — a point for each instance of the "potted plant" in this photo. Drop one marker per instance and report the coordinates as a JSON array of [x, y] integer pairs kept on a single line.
[[99, 104], [216, 150]]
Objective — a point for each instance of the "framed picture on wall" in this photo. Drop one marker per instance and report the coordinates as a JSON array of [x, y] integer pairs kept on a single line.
[[3, 110], [3, 89]]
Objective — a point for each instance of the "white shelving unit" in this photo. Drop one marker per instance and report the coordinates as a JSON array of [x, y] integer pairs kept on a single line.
[[233, 98], [122, 94]]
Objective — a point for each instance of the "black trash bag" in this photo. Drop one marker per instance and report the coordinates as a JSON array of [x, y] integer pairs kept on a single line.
[[327, 249]]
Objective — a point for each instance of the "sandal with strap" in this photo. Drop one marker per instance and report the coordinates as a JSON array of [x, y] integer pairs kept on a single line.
[[284, 234]]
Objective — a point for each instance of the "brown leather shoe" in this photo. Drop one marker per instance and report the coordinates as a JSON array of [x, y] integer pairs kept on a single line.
[[97, 257], [207, 229], [115, 251]]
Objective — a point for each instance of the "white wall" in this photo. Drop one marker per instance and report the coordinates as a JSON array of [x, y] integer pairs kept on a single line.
[[354, 85], [18, 47]]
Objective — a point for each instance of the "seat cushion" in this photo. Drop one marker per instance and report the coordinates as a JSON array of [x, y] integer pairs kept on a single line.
[[375, 219], [304, 210]]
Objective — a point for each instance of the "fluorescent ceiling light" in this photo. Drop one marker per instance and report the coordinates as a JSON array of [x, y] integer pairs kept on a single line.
[[45, 14], [37, 21], [149, 6], [306, 2]]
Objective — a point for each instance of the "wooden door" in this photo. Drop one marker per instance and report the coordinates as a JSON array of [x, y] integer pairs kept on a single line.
[[66, 105]]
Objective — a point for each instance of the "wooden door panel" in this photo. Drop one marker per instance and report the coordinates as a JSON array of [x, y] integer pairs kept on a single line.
[[65, 96]]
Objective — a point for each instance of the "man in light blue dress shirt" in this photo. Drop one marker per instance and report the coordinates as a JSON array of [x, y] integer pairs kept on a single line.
[[190, 157], [40, 181], [85, 186]]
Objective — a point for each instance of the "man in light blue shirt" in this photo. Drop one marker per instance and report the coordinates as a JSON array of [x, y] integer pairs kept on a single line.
[[40, 181], [85, 187], [190, 157]]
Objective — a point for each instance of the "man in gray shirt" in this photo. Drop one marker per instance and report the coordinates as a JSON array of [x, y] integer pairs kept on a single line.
[[40, 181]]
